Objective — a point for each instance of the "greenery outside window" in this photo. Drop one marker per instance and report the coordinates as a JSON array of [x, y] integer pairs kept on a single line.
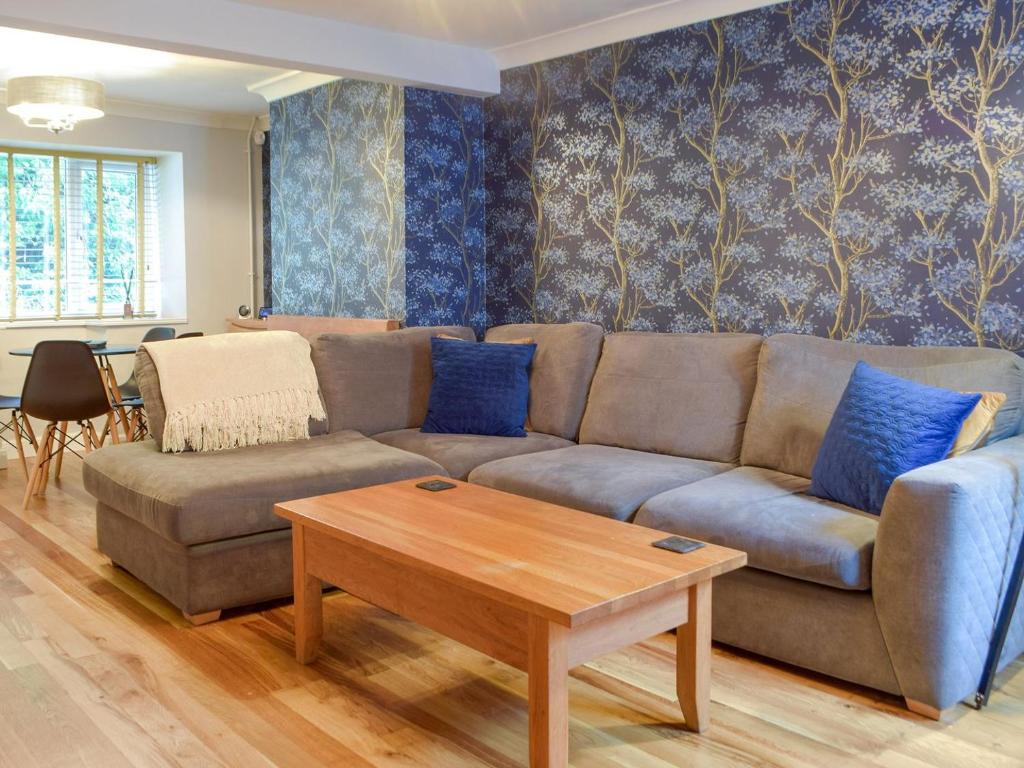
[[78, 235]]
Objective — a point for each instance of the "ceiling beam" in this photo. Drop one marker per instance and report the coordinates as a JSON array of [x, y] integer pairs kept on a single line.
[[222, 29]]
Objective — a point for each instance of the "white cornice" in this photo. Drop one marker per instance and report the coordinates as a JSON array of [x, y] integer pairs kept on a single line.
[[168, 114], [643, 21], [279, 86]]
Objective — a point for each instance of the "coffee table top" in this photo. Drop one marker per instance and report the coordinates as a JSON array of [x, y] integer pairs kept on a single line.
[[563, 564]]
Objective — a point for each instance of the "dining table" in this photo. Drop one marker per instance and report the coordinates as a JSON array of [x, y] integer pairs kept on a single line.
[[102, 353]]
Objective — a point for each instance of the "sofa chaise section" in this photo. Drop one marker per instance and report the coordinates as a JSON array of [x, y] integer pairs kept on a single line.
[[199, 528], [563, 366], [194, 498]]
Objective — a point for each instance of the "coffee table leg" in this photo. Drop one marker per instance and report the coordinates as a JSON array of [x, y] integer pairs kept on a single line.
[[693, 659], [309, 618], [549, 694]]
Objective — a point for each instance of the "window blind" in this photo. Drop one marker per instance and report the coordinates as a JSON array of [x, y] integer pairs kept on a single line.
[[83, 231]]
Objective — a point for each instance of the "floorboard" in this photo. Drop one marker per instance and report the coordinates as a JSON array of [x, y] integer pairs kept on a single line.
[[97, 670]]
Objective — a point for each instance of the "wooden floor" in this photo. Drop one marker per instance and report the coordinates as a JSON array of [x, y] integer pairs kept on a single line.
[[97, 670]]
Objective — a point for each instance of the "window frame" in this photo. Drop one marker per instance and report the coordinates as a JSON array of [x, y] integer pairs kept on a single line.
[[140, 161]]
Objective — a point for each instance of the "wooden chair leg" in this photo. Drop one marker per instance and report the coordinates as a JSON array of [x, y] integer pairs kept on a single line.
[[27, 422], [119, 413], [40, 462], [133, 425], [44, 476], [62, 440], [37, 477], [86, 436], [16, 428], [112, 428]]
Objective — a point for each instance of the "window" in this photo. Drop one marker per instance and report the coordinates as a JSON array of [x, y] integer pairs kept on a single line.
[[78, 235]]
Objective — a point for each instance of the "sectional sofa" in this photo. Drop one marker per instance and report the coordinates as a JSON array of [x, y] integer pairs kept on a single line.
[[712, 436]]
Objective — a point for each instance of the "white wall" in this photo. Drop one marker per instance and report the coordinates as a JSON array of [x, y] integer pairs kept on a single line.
[[216, 226]]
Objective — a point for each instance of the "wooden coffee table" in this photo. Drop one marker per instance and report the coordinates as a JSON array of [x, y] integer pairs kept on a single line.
[[541, 587]]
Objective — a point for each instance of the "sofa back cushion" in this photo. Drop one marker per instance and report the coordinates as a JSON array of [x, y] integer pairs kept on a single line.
[[801, 379], [377, 382], [148, 381], [685, 394], [563, 366]]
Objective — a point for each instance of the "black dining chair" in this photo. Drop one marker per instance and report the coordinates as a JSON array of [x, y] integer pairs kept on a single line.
[[19, 428], [190, 335], [130, 388], [128, 411], [63, 386]]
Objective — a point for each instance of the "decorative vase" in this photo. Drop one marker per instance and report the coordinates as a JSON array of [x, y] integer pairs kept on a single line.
[[129, 313]]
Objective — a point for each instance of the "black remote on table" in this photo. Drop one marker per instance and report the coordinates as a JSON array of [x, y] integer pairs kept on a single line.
[[678, 544], [435, 485]]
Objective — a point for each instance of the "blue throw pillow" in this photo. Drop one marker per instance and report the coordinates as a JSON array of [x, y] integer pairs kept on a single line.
[[479, 388], [884, 426]]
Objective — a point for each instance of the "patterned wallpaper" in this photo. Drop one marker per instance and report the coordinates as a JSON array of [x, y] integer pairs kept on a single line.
[[849, 168], [338, 201], [444, 209]]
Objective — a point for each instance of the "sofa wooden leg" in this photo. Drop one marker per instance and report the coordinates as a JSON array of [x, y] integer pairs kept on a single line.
[[924, 710], [198, 619]]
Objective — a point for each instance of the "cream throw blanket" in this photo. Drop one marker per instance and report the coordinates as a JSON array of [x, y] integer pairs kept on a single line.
[[236, 389]]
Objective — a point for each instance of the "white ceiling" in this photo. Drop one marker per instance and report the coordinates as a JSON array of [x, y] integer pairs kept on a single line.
[[138, 75], [485, 24], [186, 54]]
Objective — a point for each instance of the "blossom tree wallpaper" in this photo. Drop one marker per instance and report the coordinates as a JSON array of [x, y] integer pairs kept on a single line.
[[338, 201], [848, 168], [444, 209]]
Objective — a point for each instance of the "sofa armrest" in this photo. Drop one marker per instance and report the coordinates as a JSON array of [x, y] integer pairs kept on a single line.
[[945, 547]]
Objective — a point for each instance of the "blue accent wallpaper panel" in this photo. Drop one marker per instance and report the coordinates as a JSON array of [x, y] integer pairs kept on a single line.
[[444, 209]]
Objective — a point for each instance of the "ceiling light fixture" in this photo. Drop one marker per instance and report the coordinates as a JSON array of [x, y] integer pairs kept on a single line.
[[56, 103]]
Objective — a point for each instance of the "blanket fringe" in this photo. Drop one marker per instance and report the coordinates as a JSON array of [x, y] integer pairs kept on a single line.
[[267, 417]]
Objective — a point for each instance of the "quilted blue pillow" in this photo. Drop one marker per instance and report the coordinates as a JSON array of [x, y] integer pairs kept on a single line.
[[884, 426], [479, 388]]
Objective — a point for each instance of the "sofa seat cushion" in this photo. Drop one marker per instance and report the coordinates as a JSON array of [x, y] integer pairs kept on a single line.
[[460, 454], [601, 479], [782, 530], [194, 498]]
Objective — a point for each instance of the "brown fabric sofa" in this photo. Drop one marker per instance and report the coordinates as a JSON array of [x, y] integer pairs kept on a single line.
[[707, 436]]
